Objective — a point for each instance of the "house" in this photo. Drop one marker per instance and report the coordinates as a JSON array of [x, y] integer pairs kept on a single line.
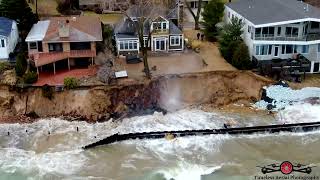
[[9, 36], [279, 29], [165, 36], [65, 41]]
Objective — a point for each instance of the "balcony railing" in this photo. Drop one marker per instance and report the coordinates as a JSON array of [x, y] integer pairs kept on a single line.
[[271, 37], [43, 58]]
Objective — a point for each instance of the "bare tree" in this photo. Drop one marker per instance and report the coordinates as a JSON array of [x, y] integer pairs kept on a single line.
[[141, 13], [196, 17]]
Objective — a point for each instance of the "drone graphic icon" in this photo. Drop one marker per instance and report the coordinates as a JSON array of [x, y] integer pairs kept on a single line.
[[286, 168]]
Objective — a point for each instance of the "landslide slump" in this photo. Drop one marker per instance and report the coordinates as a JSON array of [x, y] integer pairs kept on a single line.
[[169, 92]]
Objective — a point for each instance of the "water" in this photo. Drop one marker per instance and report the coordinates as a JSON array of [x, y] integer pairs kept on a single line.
[[37, 155]]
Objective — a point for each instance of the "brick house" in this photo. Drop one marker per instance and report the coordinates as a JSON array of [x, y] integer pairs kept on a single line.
[[64, 42]]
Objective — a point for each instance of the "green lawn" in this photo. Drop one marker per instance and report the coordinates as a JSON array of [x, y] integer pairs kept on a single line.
[[105, 18]]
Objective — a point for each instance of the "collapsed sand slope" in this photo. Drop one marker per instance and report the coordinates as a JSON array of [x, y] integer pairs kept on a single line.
[[219, 88], [169, 92]]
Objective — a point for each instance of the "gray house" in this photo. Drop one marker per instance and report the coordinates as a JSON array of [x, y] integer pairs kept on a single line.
[[279, 29], [165, 36]]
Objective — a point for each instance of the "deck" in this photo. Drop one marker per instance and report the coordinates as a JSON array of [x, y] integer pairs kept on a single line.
[[289, 66], [44, 58]]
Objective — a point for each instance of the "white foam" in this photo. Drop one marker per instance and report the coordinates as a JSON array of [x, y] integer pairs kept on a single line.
[[65, 163], [285, 96], [300, 113], [187, 171]]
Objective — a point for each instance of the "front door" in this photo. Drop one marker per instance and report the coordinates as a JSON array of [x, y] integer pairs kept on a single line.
[[160, 44], [276, 51]]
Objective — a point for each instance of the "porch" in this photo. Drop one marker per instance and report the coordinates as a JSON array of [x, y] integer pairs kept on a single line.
[[43, 59], [287, 69], [300, 31]]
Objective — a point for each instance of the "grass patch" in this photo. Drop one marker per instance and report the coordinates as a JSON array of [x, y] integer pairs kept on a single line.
[[111, 18], [45, 7]]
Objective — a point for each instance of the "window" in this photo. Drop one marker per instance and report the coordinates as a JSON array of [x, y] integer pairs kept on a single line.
[[292, 31], [228, 14], [249, 29], [194, 4], [128, 45], [318, 47], [305, 49], [156, 25], [263, 49], [80, 46], [279, 31], [258, 32], [314, 25], [164, 25], [268, 31], [55, 47], [175, 40], [288, 49], [2, 43], [33, 45], [160, 25]]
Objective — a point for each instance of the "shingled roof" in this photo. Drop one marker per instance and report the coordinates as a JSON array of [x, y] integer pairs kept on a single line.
[[270, 11], [82, 28]]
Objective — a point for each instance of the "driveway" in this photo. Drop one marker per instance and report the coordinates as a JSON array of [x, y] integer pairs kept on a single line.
[[170, 63]]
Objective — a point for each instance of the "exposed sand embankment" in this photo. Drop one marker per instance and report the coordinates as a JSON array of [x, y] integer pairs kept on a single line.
[[169, 92]]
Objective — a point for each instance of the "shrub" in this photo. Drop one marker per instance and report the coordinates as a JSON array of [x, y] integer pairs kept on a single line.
[[70, 82], [47, 92], [105, 74], [241, 58], [30, 77], [4, 66], [195, 44], [21, 64]]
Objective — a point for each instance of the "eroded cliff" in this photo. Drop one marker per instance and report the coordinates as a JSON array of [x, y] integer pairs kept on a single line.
[[169, 92]]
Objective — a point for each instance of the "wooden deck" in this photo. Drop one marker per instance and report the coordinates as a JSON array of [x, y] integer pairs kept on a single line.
[[41, 59]]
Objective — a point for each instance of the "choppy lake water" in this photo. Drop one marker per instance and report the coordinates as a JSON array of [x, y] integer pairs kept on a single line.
[[37, 155]]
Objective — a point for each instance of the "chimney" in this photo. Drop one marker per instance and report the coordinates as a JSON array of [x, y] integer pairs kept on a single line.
[[64, 29]]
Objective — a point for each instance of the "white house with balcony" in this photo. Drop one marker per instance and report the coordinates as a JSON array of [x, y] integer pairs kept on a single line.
[[279, 29]]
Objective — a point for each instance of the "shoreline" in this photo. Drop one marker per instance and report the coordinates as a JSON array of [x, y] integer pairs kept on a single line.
[[211, 108]]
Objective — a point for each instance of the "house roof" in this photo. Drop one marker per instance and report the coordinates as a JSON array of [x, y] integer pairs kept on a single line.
[[5, 26], [270, 11], [173, 29], [38, 31], [125, 29], [82, 28]]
